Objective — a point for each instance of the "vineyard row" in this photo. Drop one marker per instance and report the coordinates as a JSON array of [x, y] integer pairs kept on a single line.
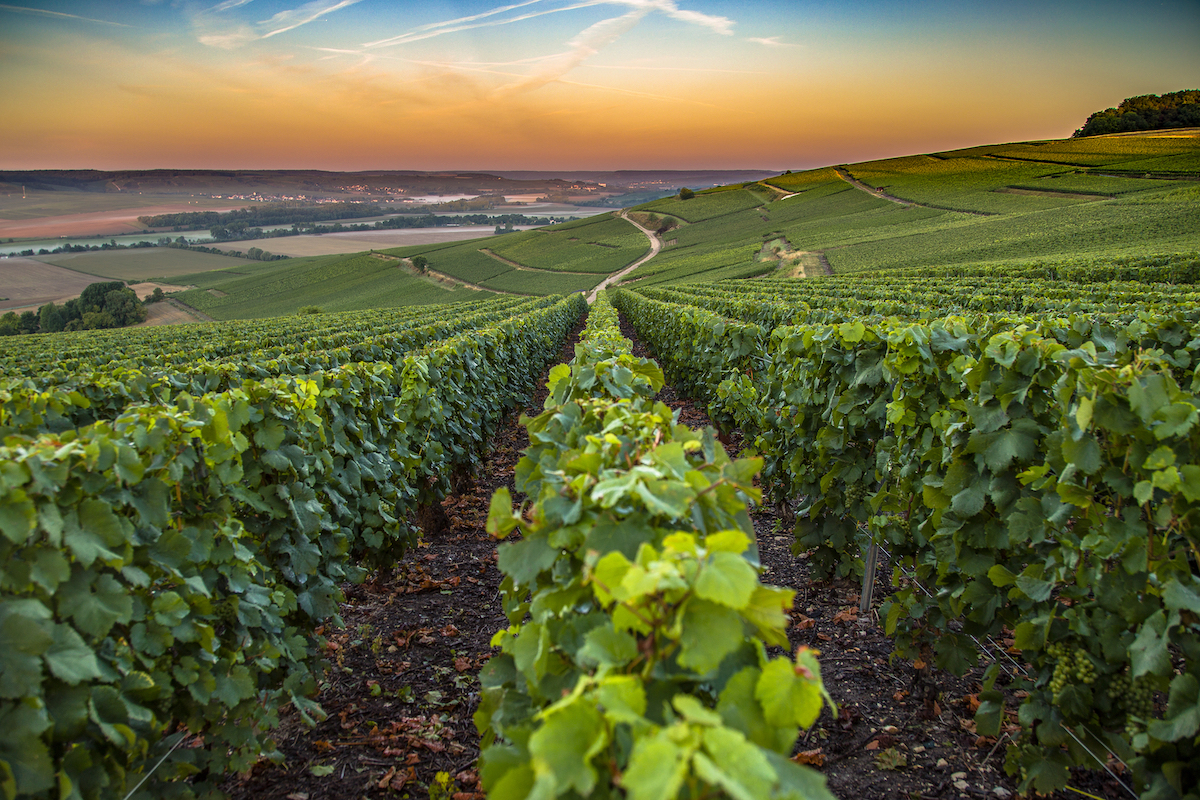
[[166, 565], [1042, 480]]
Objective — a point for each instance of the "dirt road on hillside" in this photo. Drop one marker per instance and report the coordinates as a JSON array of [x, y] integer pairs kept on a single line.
[[655, 246]]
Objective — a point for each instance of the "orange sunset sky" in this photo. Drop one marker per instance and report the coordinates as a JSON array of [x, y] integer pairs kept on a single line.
[[556, 84]]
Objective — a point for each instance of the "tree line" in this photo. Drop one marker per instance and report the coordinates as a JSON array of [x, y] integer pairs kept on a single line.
[[269, 214], [238, 230], [1146, 112], [108, 304]]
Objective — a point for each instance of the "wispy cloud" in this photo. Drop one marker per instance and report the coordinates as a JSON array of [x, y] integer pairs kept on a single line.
[[215, 29], [286, 21], [228, 5], [40, 12], [588, 43], [472, 23], [720, 25], [770, 41], [583, 46]]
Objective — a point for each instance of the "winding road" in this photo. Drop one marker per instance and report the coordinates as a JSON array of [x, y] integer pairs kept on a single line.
[[655, 246]]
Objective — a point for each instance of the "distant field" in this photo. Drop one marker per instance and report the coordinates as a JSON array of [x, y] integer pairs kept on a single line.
[[66, 214], [333, 283], [542, 282], [1163, 221], [982, 179], [803, 181], [142, 264], [600, 245], [53, 204], [708, 204], [596, 246], [467, 263], [28, 282], [359, 241]]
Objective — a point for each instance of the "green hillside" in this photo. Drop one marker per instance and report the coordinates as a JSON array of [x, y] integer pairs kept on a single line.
[[1099, 198], [570, 257], [1096, 199], [333, 283]]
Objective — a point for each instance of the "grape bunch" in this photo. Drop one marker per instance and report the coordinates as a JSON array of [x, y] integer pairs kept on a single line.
[[1072, 665], [855, 492], [1137, 699]]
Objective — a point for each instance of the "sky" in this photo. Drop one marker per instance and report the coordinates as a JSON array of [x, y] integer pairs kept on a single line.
[[565, 84]]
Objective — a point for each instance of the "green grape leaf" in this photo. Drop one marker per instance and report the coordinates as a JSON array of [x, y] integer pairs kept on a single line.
[[709, 633], [22, 748], [500, 520], [766, 610], [24, 636], [656, 769], [694, 711], [787, 698], [97, 606], [1182, 719], [726, 579], [18, 516], [1148, 653], [566, 743], [605, 646], [741, 768], [69, 658], [622, 697]]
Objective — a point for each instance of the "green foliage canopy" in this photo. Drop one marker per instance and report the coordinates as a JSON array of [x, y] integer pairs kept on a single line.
[[1147, 112]]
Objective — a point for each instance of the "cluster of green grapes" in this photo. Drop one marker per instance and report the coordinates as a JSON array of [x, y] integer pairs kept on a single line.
[[1136, 697], [1072, 665], [854, 494]]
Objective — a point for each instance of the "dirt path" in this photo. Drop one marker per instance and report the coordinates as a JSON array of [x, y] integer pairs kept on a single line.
[[167, 313], [655, 247], [796, 263], [407, 266], [806, 264], [845, 175], [524, 268], [195, 314], [871, 190]]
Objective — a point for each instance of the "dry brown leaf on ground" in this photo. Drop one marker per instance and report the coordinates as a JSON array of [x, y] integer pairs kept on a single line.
[[803, 623], [846, 615], [814, 758]]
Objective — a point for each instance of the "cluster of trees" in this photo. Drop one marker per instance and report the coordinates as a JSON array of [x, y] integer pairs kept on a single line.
[[255, 253], [1147, 112], [110, 304], [660, 224], [86, 248], [239, 231], [635, 198], [243, 223], [268, 214]]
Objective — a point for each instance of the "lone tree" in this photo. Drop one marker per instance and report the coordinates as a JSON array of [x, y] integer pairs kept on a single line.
[[686, 194], [421, 263]]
